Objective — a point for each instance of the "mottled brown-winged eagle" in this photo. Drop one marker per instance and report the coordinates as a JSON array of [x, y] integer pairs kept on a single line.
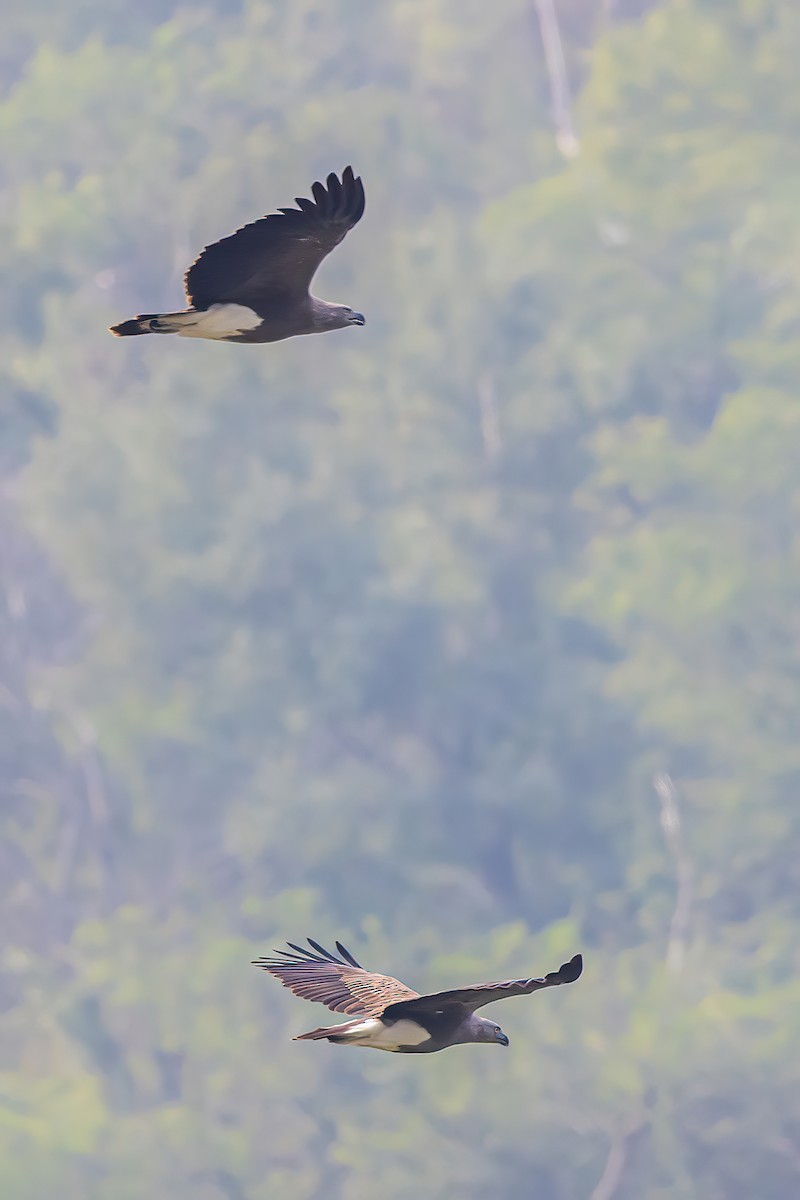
[[254, 285], [387, 1015]]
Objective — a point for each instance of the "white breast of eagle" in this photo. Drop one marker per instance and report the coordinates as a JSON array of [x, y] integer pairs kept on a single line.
[[397, 1036]]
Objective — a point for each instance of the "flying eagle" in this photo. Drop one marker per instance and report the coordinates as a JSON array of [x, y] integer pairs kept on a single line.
[[387, 1014], [254, 285]]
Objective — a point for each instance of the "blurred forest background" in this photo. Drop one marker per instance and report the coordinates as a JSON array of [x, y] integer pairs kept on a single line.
[[470, 637]]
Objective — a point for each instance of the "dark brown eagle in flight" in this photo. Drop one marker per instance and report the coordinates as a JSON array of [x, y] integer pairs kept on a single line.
[[387, 1015], [254, 285]]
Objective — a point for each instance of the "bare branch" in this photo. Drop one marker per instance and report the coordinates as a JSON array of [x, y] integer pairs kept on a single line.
[[673, 836], [618, 1152], [566, 138], [622, 1143]]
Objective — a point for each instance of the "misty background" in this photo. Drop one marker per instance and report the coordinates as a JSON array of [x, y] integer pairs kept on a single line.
[[471, 638]]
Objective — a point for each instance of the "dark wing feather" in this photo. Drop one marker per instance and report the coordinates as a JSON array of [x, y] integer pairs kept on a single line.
[[343, 986], [470, 998], [276, 258]]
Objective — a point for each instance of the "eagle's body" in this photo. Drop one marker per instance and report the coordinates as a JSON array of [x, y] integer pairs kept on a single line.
[[254, 285], [387, 1015]]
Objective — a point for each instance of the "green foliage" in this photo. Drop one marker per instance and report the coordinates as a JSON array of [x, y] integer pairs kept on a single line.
[[383, 635]]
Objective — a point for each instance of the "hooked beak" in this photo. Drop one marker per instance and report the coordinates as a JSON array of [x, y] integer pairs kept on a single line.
[[502, 1039], [357, 319]]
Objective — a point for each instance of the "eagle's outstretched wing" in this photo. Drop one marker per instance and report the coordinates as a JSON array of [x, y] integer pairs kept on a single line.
[[470, 998], [340, 983], [276, 257]]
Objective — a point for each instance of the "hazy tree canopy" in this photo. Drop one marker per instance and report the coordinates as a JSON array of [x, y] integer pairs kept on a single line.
[[386, 635]]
